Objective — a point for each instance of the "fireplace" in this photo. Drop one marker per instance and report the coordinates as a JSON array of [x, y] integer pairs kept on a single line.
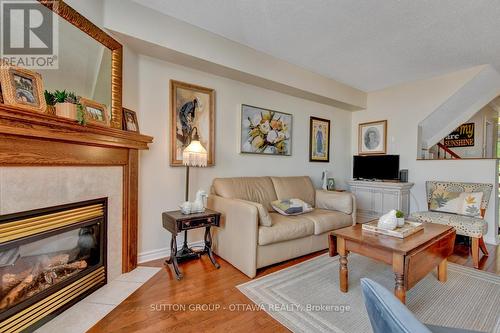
[[50, 259]]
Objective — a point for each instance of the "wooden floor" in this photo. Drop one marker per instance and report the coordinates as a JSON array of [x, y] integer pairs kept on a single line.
[[157, 305]]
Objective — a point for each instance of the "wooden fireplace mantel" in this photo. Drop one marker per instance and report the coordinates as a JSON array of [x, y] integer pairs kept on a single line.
[[37, 139]]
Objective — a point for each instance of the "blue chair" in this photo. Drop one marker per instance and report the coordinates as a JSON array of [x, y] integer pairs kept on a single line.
[[388, 315]]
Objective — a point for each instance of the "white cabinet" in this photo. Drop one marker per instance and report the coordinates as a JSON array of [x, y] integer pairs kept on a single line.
[[374, 199]]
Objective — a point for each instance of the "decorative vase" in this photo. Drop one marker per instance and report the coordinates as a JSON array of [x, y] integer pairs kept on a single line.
[[401, 221], [66, 110]]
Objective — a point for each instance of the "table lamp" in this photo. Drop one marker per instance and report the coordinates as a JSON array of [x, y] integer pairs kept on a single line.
[[194, 155]]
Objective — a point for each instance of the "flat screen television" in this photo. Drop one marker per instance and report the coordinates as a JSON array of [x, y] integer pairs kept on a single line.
[[376, 167]]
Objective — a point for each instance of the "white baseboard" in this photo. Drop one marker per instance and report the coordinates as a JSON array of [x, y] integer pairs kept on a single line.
[[163, 252]]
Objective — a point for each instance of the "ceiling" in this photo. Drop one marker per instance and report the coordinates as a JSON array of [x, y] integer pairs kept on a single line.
[[367, 44]]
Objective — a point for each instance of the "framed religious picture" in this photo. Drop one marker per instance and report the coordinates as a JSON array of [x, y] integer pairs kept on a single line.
[[130, 122], [191, 108], [372, 138], [319, 140], [265, 131], [22, 88], [95, 113]]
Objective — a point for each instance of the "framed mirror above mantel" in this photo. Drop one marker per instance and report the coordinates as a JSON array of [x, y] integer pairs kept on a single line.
[[90, 65]]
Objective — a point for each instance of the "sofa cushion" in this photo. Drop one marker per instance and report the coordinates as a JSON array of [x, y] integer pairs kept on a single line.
[[326, 220], [285, 228], [257, 189], [294, 187], [464, 225]]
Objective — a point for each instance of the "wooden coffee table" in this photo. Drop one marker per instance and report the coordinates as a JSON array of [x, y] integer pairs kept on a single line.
[[412, 258]]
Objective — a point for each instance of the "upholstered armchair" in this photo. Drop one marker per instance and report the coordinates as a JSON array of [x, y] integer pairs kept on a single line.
[[473, 227], [388, 315]]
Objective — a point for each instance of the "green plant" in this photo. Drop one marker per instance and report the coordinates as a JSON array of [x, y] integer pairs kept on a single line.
[[399, 214], [50, 99], [65, 97], [80, 114]]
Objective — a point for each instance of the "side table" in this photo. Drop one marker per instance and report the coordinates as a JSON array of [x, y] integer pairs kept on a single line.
[[175, 222]]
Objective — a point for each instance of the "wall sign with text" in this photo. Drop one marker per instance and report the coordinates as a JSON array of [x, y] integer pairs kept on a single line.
[[463, 136]]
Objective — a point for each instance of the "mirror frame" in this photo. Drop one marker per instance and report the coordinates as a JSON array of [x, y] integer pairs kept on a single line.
[[79, 21]]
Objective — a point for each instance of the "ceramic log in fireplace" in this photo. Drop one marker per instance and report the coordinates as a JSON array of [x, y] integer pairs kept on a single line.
[[49, 259]]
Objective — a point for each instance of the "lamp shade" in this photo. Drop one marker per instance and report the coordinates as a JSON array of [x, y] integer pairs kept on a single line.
[[195, 155]]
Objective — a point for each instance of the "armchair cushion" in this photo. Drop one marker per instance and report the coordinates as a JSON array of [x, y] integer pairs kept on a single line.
[[464, 225]]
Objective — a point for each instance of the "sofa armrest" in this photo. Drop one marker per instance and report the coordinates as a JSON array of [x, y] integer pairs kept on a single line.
[[344, 202], [236, 238]]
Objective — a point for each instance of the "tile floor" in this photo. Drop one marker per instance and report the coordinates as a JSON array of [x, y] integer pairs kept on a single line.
[[84, 314]]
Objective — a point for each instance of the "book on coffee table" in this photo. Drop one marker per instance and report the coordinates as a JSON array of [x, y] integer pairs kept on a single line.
[[409, 228]]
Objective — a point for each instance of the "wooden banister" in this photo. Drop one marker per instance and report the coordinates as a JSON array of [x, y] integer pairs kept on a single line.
[[448, 150]]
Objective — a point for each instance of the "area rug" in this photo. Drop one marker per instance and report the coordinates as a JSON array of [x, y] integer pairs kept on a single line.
[[306, 297]]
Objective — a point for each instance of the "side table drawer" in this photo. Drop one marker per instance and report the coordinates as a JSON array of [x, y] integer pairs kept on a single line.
[[197, 223]]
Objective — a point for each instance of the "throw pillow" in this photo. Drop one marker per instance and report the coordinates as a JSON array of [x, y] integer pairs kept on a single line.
[[291, 206], [470, 203], [444, 201]]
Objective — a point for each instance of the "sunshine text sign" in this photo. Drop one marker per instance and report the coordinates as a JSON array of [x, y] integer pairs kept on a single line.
[[463, 136]]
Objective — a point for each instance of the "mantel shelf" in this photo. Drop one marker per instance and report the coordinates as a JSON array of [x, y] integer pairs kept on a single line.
[[18, 122]]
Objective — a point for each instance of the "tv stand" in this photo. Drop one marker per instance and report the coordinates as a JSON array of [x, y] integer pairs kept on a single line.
[[375, 198]]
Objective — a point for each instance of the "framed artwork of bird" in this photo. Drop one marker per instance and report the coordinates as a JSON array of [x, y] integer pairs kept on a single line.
[[191, 107]]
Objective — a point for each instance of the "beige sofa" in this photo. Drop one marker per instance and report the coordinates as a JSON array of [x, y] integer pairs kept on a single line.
[[244, 203]]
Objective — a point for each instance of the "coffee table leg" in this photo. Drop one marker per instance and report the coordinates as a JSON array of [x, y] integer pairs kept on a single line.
[[398, 267], [443, 271], [343, 271]]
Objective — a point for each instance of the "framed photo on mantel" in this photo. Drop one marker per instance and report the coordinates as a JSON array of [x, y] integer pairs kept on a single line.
[[372, 138]]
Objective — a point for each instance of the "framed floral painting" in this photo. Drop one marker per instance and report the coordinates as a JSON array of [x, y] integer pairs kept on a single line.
[[319, 140], [265, 131]]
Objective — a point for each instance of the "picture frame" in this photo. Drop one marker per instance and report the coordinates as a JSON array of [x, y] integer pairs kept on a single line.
[[130, 122], [319, 140], [372, 138], [265, 131], [22, 88], [330, 184], [95, 113], [191, 106]]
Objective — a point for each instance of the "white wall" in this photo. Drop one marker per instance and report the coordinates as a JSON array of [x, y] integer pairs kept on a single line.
[[404, 106], [162, 186]]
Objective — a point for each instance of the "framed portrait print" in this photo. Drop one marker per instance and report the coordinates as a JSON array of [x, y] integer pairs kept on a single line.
[[265, 131], [191, 107], [95, 113], [22, 88], [372, 138], [319, 140], [130, 122]]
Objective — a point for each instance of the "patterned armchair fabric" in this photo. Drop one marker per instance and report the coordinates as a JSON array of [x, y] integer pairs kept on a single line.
[[464, 225], [431, 186]]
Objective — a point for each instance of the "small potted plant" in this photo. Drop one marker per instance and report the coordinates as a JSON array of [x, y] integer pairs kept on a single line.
[[400, 216], [66, 104], [50, 100]]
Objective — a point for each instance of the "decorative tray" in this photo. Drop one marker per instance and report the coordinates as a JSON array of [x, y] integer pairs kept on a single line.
[[409, 228]]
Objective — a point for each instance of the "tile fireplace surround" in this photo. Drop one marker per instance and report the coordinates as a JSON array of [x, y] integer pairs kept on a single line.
[[27, 188]]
